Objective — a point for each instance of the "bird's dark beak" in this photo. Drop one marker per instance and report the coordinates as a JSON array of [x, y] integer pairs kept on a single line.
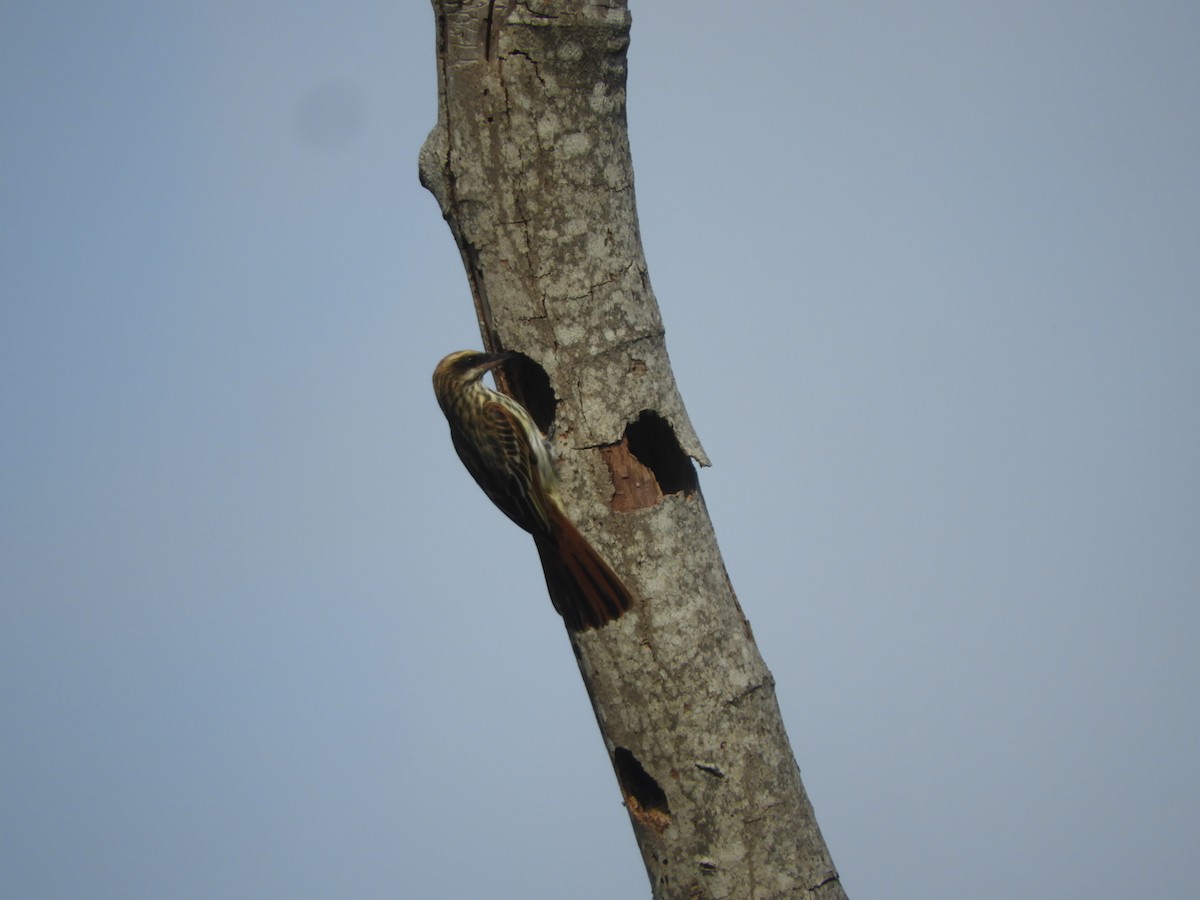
[[492, 360]]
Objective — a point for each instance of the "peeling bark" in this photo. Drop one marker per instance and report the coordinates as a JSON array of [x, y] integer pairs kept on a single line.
[[530, 164]]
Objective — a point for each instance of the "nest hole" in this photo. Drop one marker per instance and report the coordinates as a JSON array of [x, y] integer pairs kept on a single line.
[[527, 383], [647, 464], [644, 797], [652, 441]]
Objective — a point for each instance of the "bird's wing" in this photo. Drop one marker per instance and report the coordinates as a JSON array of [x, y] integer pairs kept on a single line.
[[504, 463]]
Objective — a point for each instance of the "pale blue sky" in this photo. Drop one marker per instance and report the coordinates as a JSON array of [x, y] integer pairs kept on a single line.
[[931, 280]]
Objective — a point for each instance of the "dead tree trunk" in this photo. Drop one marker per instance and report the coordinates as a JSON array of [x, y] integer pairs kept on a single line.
[[530, 164]]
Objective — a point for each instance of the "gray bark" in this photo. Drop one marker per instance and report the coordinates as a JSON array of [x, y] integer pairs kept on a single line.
[[530, 164]]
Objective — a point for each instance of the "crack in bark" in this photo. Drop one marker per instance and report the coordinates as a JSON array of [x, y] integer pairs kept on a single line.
[[535, 14], [828, 879], [521, 54], [487, 47], [763, 682]]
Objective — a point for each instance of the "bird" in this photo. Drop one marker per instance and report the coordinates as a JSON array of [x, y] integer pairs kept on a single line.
[[507, 455]]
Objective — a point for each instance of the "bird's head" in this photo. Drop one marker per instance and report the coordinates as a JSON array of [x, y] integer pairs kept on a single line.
[[466, 366]]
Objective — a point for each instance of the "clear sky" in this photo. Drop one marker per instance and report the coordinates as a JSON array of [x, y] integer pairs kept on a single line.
[[931, 280]]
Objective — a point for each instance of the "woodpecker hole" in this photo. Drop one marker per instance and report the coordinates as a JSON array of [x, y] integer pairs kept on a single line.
[[647, 464], [653, 443], [645, 800], [527, 383]]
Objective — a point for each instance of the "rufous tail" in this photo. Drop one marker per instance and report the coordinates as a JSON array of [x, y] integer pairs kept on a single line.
[[584, 589]]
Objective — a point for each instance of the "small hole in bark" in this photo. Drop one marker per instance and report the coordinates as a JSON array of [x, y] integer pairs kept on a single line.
[[652, 442], [646, 801], [529, 385]]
